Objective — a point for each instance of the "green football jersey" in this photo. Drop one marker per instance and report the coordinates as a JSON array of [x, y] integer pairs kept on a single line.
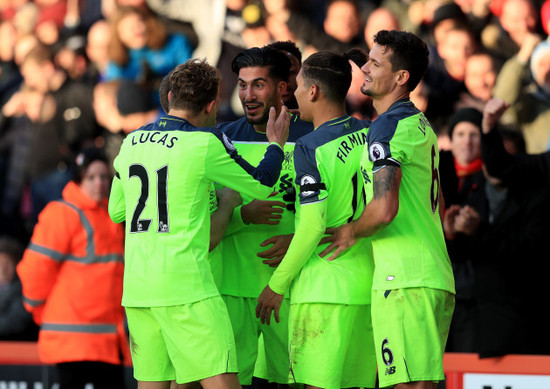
[[165, 171], [244, 274], [330, 188], [410, 251], [215, 256]]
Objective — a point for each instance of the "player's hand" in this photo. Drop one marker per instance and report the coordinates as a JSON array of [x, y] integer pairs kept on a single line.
[[340, 239], [277, 127], [263, 211], [268, 301], [492, 112], [275, 253]]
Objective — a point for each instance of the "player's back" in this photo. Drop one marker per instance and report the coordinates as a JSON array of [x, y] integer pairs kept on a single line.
[[330, 157], [165, 171]]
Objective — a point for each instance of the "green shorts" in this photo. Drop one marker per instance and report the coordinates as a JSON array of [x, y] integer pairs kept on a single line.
[[273, 365], [410, 327], [331, 345], [185, 343]]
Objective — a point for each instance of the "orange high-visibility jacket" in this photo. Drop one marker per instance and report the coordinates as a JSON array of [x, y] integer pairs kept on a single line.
[[72, 275]]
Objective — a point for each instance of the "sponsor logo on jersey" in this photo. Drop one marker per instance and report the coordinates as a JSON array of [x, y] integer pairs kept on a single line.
[[376, 152]]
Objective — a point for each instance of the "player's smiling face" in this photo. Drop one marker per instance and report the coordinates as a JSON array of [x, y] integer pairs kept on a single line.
[[258, 92], [301, 94], [379, 75]]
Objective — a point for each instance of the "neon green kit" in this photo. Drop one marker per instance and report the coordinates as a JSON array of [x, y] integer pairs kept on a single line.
[[411, 251], [330, 194], [164, 173]]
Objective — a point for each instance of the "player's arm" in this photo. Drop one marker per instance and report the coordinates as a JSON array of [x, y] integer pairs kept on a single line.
[[378, 213], [310, 227], [228, 199], [117, 206]]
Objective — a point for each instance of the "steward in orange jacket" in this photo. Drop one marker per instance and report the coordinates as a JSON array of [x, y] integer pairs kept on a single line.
[[72, 275]]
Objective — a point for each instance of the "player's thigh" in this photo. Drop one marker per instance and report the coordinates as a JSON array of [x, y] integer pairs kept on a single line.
[[150, 359], [331, 345], [246, 329], [199, 339], [410, 328]]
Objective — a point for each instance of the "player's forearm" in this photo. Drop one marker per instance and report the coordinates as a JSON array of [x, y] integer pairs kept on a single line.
[[309, 231], [373, 219], [116, 206], [383, 207]]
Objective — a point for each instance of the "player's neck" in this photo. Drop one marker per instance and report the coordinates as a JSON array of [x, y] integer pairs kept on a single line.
[[383, 103], [327, 111], [261, 128], [196, 120]]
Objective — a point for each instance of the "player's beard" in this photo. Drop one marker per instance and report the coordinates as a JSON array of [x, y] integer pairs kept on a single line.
[[263, 118], [365, 91]]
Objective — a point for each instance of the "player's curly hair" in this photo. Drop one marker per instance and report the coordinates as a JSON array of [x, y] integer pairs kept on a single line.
[[193, 84]]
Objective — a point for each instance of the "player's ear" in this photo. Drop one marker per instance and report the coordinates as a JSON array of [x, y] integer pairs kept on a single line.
[[282, 87], [314, 92], [402, 77], [210, 106], [169, 95]]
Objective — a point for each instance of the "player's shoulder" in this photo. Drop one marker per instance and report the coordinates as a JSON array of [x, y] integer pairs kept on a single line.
[[298, 128], [237, 130]]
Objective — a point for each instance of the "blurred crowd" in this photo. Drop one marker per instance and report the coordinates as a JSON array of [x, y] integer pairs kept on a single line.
[[82, 73]]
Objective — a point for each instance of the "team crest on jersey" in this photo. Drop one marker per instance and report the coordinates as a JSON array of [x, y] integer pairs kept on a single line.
[[287, 161], [307, 179], [376, 152], [227, 143]]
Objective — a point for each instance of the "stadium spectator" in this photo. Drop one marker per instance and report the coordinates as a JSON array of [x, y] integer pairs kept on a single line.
[[56, 138], [379, 19], [71, 274], [479, 79], [445, 75], [462, 185], [528, 171], [523, 82], [515, 21], [141, 49]]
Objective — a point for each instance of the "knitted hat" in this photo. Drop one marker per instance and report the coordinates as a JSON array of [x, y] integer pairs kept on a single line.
[[466, 114], [448, 11], [84, 159]]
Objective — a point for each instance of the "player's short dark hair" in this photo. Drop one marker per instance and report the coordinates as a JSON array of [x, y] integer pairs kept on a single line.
[[408, 52], [164, 89], [330, 71], [193, 84], [289, 47], [277, 62]]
